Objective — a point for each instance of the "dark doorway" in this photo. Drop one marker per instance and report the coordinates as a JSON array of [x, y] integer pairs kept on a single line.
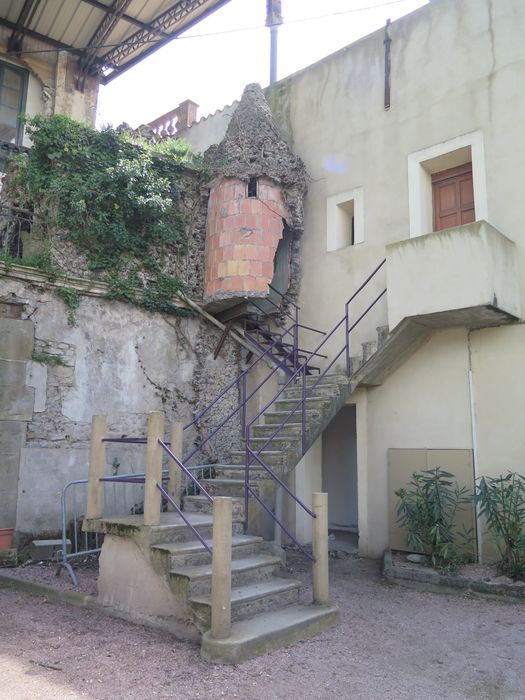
[[339, 470]]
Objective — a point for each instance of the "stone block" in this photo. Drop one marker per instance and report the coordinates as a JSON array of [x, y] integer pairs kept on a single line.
[[16, 402], [8, 557], [36, 377], [12, 372], [16, 339], [47, 549]]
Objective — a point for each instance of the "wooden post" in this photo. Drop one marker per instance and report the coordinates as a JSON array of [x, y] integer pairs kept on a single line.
[[97, 464], [175, 482], [152, 498], [221, 579], [320, 548]]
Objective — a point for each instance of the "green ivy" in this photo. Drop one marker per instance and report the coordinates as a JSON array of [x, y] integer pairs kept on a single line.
[[115, 197], [46, 358], [72, 301]]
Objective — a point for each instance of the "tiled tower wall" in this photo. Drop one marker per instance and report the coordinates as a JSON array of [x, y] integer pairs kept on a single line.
[[242, 236]]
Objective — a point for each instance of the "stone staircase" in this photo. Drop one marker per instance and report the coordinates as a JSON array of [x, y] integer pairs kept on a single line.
[[267, 609]]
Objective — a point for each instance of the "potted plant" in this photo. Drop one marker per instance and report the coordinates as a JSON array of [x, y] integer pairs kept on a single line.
[[6, 537]]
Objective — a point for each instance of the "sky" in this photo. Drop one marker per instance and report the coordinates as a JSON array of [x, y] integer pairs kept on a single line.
[[212, 62]]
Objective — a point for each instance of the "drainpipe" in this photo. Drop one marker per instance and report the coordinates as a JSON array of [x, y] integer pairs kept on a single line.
[[273, 20], [473, 429]]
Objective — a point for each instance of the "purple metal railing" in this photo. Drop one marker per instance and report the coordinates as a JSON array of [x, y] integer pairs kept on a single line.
[[300, 372], [252, 455], [141, 479], [179, 511]]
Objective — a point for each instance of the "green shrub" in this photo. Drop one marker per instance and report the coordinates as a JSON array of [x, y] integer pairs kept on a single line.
[[502, 503], [426, 509], [115, 197]]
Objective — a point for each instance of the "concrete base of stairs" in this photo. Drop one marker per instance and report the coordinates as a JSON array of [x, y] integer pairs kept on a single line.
[[268, 632]]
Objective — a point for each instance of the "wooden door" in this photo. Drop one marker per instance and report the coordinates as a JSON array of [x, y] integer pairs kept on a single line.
[[453, 197]]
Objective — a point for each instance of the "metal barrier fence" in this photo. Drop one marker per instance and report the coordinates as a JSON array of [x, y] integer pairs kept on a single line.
[[125, 499]]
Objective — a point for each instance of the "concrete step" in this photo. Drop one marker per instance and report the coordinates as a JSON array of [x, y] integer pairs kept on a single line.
[[369, 349], [269, 631], [319, 402], [335, 378], [276, 417], [200, 504], [382, 335], [250, 600], [296, 392], [257, 567], [272, 458], [236, 471], [224, 487], [289, 429], [356, 361], [192, 553], [172, 527], [279, 442]]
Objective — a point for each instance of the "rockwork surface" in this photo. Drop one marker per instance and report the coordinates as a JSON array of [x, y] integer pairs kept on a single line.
[[392, 643]]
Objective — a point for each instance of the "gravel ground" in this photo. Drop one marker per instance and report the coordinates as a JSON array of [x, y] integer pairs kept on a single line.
[[392, 643]]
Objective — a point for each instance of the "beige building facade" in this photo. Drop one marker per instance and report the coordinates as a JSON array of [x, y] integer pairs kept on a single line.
[[413, 141]]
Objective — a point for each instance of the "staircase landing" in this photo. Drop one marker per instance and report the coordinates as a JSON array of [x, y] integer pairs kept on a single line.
[[173, 565]]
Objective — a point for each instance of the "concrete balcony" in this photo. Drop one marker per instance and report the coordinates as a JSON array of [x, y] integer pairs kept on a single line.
[[464, 276]]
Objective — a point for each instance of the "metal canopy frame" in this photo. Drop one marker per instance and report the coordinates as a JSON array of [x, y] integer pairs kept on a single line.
[[137, 38]]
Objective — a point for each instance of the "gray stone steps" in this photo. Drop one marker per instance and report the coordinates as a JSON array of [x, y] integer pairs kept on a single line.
[[277, 417], [272, 458], [288, 405], [288, 429], [224, 487], [320, 390], [268, 631], [279, 442], [236, 471], [200, 504], [251, 599], [193, 553], [256, 567], [332, 378]]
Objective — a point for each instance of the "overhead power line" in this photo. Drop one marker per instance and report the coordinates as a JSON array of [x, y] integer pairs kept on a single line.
[[80, 49]]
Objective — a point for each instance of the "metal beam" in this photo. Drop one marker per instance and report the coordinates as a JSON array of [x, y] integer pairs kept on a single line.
[[163, 22], [104, 29], [26, 15], [128, 18], [118, 70], [40, 37]]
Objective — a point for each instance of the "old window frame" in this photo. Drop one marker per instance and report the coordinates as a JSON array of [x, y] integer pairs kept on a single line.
[[22, 100], [448, 154]]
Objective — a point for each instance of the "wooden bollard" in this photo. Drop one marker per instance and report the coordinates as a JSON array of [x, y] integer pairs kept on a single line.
[[221, 581], [175, 472], [320, 548], [152, 497], [97, 465]]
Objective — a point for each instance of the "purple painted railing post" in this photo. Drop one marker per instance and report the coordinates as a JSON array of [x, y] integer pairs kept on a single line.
[[243, 409], [347, 340], [296, 340], [246, 476], [303, 410]]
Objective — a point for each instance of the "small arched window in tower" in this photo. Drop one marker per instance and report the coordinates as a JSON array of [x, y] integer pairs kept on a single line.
[[252, 187]]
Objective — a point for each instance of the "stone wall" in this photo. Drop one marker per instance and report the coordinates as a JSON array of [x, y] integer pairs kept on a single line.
[[117, 360]]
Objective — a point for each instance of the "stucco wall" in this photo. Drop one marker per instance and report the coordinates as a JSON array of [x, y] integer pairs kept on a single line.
[[414, 408], [52, 81]]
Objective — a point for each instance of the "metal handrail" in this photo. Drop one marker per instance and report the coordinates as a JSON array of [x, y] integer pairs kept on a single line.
[[233, 382], [179, 511], [281, 525], [301, 370], [184, 469]]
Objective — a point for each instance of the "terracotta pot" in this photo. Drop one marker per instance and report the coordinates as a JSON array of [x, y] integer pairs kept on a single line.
[[6, 537]]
